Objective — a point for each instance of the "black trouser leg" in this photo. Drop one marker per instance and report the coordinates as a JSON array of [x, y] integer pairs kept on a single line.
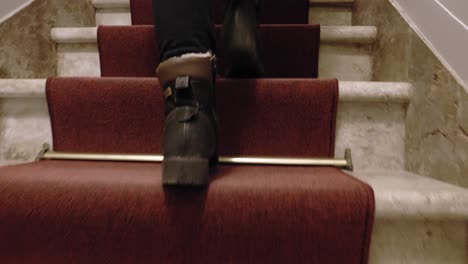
[[184, 26]]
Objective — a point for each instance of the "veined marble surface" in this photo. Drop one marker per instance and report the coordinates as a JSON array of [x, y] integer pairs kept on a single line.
[[24, 127], [375, 133], [405, 195], [116, 16], [419, 242], [345, 62], [22, 88], [348, 35], [78, 60], [330, 15], [437, 120], [383, 92], [26, 48]]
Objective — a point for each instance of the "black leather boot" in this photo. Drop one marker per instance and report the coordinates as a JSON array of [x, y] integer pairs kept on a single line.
[[240, 39], [190, 132]]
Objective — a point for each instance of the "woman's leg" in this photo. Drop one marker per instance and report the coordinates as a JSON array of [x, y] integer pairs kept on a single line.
[[184, 26], [185, 34], [184, 30], [187, 26]]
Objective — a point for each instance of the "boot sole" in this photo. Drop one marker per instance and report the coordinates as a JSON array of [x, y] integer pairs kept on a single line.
[[185, 171]]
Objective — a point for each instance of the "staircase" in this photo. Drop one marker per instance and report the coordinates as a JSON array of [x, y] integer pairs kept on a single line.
[[418, 220]]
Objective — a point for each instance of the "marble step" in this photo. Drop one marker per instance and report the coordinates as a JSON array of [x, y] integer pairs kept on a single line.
[[345, 52], [325, 12], [418, 220], [370, 121]]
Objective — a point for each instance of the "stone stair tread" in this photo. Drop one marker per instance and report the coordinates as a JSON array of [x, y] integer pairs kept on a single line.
[[384, 92], [405, 195], [329, 34], [105, 4]]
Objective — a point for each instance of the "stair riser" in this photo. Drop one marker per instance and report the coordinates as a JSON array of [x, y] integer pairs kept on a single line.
[[25, 126], [346, 62], [78, 60], [364, 129], [114, 16], [375, 132], [331, 15], [328, 15]]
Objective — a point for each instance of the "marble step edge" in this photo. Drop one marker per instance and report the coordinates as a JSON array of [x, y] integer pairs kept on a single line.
[[125, 4], [328, 34], [376, 92], [405, 195]]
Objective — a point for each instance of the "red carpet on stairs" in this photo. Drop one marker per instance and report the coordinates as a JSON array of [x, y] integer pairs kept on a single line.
[[118, 212], [264, 117], [271, 12], [104, 212], [130, 51]]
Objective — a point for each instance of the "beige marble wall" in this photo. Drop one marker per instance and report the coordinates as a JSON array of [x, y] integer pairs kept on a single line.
[[437, 118], [392, 47], [26, 50]]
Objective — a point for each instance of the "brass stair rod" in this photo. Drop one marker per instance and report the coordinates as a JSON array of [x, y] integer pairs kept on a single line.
[[340, 163]]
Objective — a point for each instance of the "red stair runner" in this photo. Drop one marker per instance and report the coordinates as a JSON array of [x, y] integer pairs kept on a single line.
[[117, 212], [287, 51], [288, 117], [95, 212], [272, 12], [104, 212]]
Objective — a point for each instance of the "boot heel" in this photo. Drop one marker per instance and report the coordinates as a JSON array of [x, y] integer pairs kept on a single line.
[[185, 171]]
